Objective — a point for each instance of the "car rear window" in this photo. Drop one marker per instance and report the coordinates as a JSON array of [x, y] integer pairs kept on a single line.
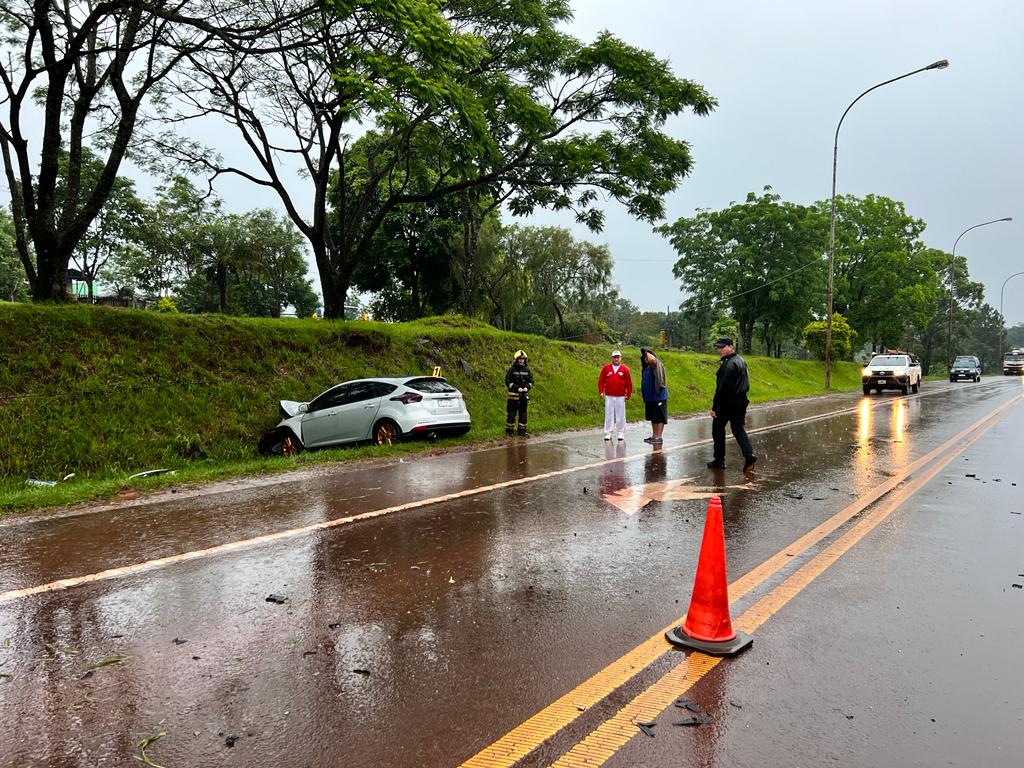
[[889, 360], [964, 361], [431, 386]]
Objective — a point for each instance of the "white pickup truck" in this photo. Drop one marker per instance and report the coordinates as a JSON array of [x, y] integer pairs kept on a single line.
[[900, 370]]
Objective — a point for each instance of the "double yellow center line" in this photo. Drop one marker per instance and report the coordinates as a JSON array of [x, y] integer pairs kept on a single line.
[[605, 740]]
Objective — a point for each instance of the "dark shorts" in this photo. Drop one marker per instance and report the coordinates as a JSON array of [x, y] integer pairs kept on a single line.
[[656, 413]]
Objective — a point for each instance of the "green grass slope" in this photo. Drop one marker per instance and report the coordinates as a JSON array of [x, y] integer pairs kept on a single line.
[[105, 393]]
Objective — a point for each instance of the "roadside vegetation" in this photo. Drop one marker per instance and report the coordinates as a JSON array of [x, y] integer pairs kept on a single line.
[[106, 393]]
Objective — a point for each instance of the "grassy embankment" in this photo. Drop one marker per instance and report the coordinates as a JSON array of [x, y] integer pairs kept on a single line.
[[105, 393]]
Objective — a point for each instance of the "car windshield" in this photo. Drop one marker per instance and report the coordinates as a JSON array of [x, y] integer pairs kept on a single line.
[[889, 360], [1015, 357], [431, 386], [964, 361]]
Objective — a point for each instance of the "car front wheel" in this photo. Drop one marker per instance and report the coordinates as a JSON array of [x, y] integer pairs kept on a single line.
[[280, 442], [386, 432]]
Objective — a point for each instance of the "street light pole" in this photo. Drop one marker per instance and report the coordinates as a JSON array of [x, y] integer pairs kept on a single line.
[[941, 64], [952, 259], [1002, 322]]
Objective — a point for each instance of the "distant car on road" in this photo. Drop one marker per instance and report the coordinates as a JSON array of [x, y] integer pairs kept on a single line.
[[892, 370], [382, 411], [1013, 363], [966, 367]]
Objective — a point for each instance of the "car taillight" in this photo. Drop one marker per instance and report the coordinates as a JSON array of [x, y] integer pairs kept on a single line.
[[408, 397]]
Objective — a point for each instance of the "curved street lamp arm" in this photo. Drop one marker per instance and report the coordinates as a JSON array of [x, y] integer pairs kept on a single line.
[[983, 224], [1002, 320]]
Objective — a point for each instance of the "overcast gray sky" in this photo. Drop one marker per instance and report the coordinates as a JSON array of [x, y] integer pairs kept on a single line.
[[944, 142]]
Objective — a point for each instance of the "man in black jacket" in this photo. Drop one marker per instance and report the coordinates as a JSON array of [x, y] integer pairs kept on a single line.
[[730, 405]]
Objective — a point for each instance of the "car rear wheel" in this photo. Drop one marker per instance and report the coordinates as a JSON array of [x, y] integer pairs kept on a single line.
[[916, 388], [977, 378], [905, 389], [386, 432], [280, 442]]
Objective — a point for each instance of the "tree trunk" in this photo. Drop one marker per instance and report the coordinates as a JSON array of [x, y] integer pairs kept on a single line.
[[51, 274]]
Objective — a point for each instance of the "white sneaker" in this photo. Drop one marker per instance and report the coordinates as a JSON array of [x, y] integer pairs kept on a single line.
[[607, 435], [622, 436]]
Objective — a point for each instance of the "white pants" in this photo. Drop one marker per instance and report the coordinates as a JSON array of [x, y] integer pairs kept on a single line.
[[614, 413]]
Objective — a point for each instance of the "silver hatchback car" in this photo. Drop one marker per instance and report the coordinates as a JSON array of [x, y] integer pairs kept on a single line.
[[382, 411]]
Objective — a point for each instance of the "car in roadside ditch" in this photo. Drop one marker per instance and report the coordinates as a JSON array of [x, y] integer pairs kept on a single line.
[[382, 411], [966, 367], [1013, 363], [892, 370]]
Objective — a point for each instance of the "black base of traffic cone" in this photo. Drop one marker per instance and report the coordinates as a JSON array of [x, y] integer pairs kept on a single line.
[[739, 643]]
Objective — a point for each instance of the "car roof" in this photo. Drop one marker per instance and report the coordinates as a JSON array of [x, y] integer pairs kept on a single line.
[[396, 380]]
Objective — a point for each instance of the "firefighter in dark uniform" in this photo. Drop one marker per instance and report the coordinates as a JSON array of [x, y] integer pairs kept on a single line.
[[518, 383]]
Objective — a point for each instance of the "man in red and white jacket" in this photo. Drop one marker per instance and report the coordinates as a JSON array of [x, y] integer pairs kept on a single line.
[[615, 386]]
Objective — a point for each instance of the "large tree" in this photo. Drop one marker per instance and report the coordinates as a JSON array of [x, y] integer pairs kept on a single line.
[[886, 281], [91, 66], [490, 96], [760, 259]]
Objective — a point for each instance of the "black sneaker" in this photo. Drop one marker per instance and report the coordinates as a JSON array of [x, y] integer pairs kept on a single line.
[[523, 433], [716, 465], [510, 432], [749, 463]]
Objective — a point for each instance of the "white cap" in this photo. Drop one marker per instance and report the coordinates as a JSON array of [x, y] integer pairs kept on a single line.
[[616, 353]]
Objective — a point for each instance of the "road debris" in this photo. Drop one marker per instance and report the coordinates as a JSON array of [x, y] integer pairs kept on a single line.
[[179, 641], [109, 661], [691, 705], [278, 599], [144, 745], [150, 473], [647, 728], [230, 741], [693, 720], [363, 672]]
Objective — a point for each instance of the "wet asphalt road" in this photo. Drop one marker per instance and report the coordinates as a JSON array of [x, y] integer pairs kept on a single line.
[[420, 636]]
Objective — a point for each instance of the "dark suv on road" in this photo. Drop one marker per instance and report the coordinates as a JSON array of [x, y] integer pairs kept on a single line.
[[966, 367]]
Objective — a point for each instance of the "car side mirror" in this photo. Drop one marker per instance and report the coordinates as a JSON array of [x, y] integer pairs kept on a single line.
[[303, 408]]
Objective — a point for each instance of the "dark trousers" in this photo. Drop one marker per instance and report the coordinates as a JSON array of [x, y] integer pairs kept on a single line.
[[734, 417], [513, 407]]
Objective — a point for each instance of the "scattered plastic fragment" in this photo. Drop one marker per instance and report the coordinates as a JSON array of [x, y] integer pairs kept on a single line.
[[451, 579], [363, 672], [41, 483], [278, 599], [230, 741], [796, 496], [149, 473], [179, 641], [647, 728], [691, 705], [1018, 586], [694, 720], [971, 474], [333, 626]]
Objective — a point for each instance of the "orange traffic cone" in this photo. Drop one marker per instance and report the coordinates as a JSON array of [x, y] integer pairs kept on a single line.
[[708, 627]]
